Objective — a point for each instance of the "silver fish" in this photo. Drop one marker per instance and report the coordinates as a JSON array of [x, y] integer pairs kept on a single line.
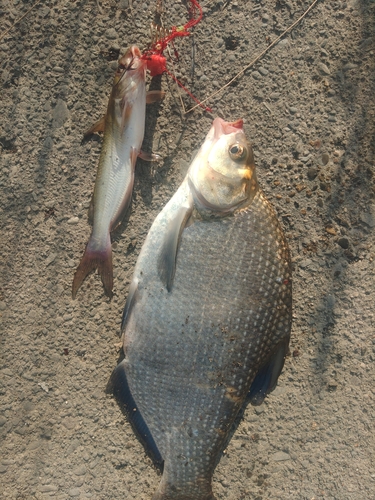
[[123, 125], [208, 317]]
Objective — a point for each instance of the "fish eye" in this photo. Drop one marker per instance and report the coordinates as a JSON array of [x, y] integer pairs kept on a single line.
[[121, 67], [237, 152]]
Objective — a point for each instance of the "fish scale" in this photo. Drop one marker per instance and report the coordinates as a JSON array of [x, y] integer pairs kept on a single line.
[[206, 239], [192, 353], [117, 182]]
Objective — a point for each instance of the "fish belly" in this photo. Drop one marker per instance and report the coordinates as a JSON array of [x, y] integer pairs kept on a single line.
[[115, 179], [113, 186], [192, 353]]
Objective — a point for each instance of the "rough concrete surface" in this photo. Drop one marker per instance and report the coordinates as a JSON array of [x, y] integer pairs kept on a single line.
[[309, 112]]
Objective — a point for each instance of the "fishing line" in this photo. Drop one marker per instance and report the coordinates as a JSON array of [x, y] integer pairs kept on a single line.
[[256, 59], [127, 68], [19, 20], [160, 40]]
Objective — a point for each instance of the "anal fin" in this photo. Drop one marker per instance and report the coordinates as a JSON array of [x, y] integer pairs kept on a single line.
[[266, 379], [119, 386]]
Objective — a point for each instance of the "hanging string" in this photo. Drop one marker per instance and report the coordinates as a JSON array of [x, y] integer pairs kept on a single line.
[[258, 57], [161, 38]]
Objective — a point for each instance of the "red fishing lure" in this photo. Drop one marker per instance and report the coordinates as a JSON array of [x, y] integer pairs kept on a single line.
[[157, 62]]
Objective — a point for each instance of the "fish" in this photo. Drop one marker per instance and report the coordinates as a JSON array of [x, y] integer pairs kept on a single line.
[[123, 126], [207, 321]]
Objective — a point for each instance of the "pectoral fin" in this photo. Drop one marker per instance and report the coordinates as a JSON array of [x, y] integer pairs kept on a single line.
[[149, 156], [154, 96], [97, 127], [168, 253], [126, 112]]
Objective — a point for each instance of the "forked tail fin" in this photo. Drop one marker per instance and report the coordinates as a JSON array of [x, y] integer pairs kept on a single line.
[[92, 259]]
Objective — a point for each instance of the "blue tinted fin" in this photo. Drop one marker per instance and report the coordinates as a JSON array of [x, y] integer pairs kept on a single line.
[[168, 253], [120, 388], [266, 378], [130, 301]]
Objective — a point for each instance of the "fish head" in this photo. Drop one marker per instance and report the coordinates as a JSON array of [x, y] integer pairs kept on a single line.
[[222, 175], [131, 71]]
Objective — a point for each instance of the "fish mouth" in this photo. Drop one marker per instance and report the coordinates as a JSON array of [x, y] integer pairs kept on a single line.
[[135, 51], [131, 60], [222, 127]]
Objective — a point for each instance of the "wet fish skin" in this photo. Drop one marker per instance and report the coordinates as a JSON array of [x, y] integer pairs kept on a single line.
[[208, 317], [124, 125]]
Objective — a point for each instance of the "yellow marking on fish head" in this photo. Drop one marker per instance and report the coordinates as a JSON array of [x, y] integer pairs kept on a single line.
[[223, 172]]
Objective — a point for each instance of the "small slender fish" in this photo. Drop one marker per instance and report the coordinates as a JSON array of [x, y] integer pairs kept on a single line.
[[123, 126], [207, 321]]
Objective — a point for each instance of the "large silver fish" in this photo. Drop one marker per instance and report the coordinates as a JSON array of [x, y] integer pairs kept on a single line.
[[208, 317], [123, 126]]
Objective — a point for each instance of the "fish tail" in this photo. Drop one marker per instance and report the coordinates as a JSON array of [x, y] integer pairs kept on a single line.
[[169, 492], [95, 258], [159, 495]]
